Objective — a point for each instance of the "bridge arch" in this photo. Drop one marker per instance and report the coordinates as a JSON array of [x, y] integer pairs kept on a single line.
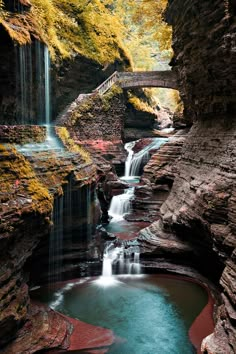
[[159, 79], [135, 79]]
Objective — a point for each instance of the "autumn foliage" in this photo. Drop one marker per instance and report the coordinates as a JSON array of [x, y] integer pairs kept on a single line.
[[87, 27]]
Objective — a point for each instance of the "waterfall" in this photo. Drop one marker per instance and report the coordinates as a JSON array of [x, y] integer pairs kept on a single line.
[[135, 162], [136, 267], [40, 95], [72, 227], [47, 86], [133, 260], [34, 84], [120, 204], [129, 149], [56, 241], [25, 77], [128, 262]]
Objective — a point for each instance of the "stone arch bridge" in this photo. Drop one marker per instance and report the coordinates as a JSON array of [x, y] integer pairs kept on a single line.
[[137, 79]]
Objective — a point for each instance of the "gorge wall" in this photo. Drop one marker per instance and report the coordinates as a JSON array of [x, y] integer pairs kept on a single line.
[[28, 188], [199, 217]]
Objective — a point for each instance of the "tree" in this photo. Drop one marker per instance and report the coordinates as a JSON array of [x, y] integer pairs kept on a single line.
[[87, 27], [147, 35]]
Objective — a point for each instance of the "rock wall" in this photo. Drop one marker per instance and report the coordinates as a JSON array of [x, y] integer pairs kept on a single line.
[[204, 43], [24, 207], [28, 188], [198, 218], [8, 80], [97, 122], [22, 71], [79, 76], [140, 118], [22, 134]]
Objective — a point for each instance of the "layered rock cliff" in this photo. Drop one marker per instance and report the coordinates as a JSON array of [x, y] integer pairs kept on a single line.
[[28, 188], [198, 218]]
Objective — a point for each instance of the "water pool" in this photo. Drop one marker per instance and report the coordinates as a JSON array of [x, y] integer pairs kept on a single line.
[[150, 314]]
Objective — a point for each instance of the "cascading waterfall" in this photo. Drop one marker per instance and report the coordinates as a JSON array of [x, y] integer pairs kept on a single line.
[[127, 261], [136, 264], [134, 162], [120, 204], [129, 149], [111, 254]]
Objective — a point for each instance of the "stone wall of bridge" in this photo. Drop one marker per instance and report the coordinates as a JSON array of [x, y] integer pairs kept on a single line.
[[162, 79]]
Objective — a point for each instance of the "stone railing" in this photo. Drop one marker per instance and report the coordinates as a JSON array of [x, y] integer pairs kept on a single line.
[[107, 84]]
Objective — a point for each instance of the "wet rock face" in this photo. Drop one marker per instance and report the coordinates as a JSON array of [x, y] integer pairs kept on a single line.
[[201, 208], [22, 134], [23, 210], [137, 123], [97, 122], [8, 80], [204, 43], [25, 219], [201, 211]]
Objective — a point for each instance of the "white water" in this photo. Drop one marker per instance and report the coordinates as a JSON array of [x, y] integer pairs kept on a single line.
[[128, 259], [129, 149], [111, 255], [134, 162], [34, 84], [56, 241], [47, 86], [120, 205], [40, 86], [25, 77], [52, 143], [128, 263], [59, 295], [136, 264]]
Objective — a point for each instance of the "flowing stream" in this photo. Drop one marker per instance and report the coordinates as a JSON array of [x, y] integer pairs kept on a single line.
[[120, 205], [149, 314], [135, 161]]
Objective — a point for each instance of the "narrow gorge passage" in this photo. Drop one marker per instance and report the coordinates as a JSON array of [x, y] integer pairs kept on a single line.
[[117, 177], [121, 204]]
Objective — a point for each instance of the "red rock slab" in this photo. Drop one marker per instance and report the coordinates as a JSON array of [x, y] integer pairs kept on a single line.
[[203, 325], [92, 339]]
